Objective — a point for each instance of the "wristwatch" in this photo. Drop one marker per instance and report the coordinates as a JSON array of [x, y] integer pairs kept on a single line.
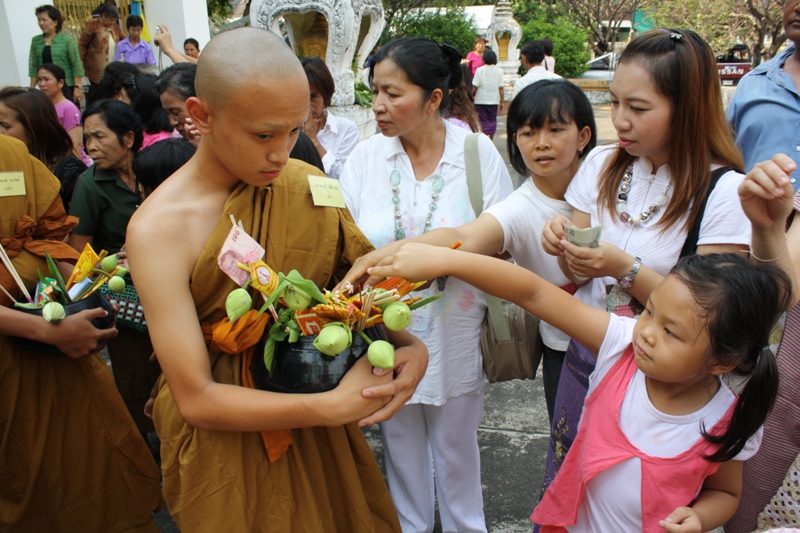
[[627, 280]]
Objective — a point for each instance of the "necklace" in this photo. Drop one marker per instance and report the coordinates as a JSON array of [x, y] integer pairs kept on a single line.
[[622, 201], [394, 180]]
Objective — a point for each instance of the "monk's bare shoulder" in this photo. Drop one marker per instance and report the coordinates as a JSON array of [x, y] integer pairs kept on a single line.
[[176, 219]]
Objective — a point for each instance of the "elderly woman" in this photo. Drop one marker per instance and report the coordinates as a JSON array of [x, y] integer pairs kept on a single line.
[[475, 58], [333, 137], [52, 46]]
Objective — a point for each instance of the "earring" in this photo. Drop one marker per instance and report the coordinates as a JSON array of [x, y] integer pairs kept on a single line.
[[580, 152]]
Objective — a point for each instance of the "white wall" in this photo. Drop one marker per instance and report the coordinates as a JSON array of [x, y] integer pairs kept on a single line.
[[17, 28], [184, 18]]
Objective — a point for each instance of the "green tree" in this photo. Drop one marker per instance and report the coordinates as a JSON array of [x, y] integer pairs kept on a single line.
[[569, 43], [451, 25]]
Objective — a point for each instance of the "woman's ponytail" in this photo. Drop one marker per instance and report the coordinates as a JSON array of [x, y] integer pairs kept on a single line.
[[453, 57]]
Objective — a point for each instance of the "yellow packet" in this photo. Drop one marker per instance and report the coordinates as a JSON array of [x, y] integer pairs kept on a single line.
[[86, 262], [263, 278]]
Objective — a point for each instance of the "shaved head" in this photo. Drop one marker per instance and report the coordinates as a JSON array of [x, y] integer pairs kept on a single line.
[[242, 57]]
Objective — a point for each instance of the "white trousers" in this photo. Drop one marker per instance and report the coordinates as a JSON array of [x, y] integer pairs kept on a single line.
[[423, 438]]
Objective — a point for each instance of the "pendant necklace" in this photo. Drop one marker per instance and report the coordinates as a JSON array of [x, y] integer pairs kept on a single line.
[[394, 180], [622, 201]]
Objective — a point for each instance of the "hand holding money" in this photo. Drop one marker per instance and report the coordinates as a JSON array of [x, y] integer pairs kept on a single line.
[[583, 237]]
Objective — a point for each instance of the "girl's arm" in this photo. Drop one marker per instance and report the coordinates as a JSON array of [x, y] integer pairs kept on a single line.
[[417, 262], [715, 505], [484, 235]]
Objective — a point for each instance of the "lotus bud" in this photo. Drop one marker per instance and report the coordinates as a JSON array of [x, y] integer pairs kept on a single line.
[[381, 354], [397, 316], [53, 312], [237, 304], [296, 299], [109, 263], [121, 272], [334, 338], [116, 284]]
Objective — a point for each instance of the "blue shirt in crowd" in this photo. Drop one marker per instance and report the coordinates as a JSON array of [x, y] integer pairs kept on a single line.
[[765, 113], [141, 53]]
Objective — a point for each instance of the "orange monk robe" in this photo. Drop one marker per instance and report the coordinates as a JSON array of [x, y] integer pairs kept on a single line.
[[327, 480], [71, 458]]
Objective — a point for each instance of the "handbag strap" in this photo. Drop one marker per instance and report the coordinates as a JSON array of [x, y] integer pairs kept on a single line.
[[690, 245], [472, 161]]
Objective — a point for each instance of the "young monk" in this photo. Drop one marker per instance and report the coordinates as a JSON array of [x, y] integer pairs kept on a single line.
[[317, 473]]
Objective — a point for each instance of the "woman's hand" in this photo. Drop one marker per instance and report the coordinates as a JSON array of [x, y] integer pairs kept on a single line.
[[76, 336], [682, 520], [553, 234], [357, 275], [122, 259], [77, 94], [605, 260], [163, 39], [410, 363], [767, 194], [414, 262], [312, 127]]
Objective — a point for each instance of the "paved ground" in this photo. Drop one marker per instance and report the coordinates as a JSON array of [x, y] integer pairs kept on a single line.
[[514, 432]]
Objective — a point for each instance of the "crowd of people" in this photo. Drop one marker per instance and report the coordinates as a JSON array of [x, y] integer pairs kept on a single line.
[[670, 349]]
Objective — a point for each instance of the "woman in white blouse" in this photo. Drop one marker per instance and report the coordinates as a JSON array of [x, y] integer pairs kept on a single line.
[[399, 185], [333, 137]]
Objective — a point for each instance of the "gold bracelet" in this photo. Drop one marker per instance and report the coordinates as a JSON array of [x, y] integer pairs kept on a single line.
[[754, 256]]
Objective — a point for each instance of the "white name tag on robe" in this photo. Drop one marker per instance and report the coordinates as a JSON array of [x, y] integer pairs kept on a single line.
[[325, 191], [12, 184]]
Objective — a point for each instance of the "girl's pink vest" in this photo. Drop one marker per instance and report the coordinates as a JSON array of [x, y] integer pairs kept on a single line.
[[667, 483]]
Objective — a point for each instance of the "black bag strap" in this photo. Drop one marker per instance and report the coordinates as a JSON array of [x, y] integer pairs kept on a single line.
[[690, 246]]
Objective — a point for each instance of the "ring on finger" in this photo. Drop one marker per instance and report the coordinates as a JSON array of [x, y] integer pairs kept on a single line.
[[583, 262]]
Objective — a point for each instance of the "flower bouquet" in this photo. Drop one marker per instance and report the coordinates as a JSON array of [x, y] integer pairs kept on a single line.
[[54, 299], [316, 337]]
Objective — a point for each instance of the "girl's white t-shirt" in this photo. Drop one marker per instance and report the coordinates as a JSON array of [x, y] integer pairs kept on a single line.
[[522, 216], [488, 79], [724, 222], [450, 327], [612, 499]]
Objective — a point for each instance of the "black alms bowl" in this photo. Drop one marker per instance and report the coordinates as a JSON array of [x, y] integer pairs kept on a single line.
[[92, 301], [298, 367]]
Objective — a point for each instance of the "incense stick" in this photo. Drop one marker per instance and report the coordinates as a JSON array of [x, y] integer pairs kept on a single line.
[[14, 274], [8, 294]]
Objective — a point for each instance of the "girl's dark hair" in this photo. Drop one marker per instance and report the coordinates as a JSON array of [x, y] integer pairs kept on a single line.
[[60, 75], [159, 161], [489, 57], [145, 101], [740, 304], [133, 20], [683, 70], [177, 79], [120, 118], [461, 106], [54, 14], [556, 101], [320, 77], [547, 44], [48, 141], [304, 150], [426, 64], [109, 83]]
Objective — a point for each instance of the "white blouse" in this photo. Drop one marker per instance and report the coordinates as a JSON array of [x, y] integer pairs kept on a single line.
[[338, 137], [450, 327]]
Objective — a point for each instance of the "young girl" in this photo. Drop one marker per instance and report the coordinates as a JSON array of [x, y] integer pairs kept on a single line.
[[647, 192], [662, 438], [550, 128]]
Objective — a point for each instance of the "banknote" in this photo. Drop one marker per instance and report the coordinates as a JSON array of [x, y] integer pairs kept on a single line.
[[585, 238], [239, 247]]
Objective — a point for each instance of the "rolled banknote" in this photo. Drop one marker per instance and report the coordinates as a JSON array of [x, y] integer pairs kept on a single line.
[[585, 238]]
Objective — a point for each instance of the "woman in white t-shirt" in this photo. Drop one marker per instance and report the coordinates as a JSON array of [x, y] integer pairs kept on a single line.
[[647, 192], [487, 87], [403, 183], [550, 127]]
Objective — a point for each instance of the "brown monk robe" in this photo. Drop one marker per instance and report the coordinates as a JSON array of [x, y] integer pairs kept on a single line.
[[71, 458], [327, 479]]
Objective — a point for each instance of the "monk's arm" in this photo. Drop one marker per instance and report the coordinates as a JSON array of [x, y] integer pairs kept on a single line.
[[177, 338]]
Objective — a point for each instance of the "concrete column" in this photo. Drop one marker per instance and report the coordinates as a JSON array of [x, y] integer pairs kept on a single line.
[[184, 18], [17, 27]]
